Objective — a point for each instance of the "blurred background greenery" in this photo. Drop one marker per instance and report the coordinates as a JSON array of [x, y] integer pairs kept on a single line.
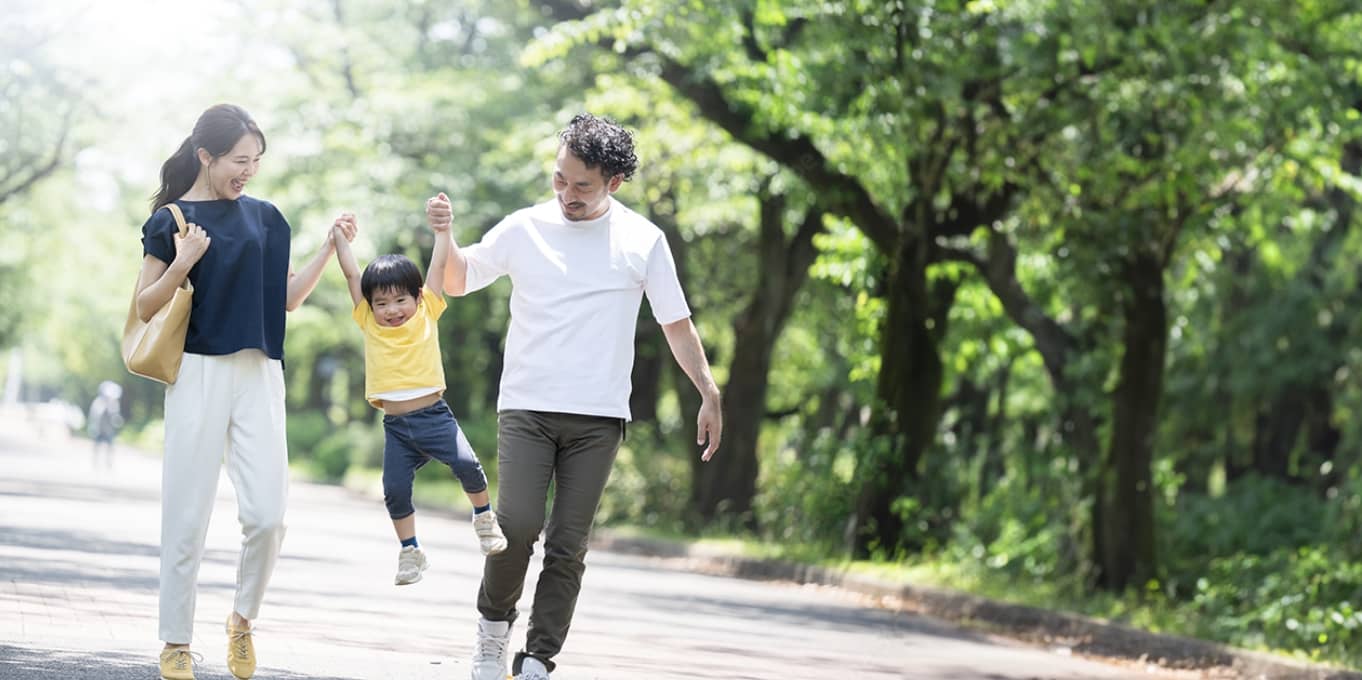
[[1043, 299]]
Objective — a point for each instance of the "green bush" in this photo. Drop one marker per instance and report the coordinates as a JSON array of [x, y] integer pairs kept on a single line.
[[331, 458], [1255, 517], [305, 431], [1018, 531], [649, 485], [1302, 599], [149, 436], [806, 499], [338, 449], [482, 436]]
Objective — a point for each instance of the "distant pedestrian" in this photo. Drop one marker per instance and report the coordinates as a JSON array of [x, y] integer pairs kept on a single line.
[[104, 420]]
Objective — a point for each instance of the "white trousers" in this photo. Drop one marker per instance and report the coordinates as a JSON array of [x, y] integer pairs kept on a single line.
[[232, 404]]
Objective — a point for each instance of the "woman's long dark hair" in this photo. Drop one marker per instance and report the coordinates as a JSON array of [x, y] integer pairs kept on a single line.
[[217, 131]]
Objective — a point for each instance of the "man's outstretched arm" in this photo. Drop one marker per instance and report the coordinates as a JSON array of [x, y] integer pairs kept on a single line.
[[684, 341], [440, 216]]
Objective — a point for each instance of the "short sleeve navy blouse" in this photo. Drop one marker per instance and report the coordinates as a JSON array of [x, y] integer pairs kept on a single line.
[[240, 285]]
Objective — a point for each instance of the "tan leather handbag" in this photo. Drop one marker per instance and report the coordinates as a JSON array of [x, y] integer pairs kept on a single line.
[[153, 349]]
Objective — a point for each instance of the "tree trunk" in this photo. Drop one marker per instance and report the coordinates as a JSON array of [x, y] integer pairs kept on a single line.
[[993, 467], [317, 399], [1129, 556], [908, 396], [496, 363], [969, 406], [650, 351], [1080, 434], [728, 483], [1319, 461], [834, 414], [1276, 429], [1237, 300], [143, 400]]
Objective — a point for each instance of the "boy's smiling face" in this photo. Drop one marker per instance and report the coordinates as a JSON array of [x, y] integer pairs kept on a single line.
[[393, 307]]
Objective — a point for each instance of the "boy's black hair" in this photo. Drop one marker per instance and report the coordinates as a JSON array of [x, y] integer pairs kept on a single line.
[[601, 143], [391, 272]]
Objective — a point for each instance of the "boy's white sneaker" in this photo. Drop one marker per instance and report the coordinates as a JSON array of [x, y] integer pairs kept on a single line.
[[490, 539], [532, 669], [411, 562], [489, 653]]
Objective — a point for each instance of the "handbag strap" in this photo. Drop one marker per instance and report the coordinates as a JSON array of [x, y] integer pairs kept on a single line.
[[184, 229], [179, 218]]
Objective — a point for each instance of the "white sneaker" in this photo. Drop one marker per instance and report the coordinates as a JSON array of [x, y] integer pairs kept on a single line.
[[410, 563], [532, 669], [490, 538], [489, 654]]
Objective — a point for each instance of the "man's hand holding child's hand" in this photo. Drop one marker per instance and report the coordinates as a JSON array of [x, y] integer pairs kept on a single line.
[[439, 213]]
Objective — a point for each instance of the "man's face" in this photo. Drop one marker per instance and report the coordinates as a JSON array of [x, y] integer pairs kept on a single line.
[[583, 193]]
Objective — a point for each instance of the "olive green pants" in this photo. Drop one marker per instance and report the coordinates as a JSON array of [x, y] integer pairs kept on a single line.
[[534, 448]]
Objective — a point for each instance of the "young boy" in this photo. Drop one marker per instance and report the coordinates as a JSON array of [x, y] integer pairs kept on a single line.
[[404, 377]]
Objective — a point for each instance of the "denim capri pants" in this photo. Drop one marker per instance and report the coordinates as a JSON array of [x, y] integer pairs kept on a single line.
[[411, 440]]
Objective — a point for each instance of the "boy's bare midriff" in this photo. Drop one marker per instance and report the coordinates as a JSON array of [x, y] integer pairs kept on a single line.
[[397, 408]]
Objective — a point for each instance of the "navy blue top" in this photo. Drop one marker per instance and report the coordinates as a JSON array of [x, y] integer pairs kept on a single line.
[[241, 283]]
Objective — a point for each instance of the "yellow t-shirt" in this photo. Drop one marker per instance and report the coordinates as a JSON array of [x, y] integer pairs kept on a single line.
[[402, 357]]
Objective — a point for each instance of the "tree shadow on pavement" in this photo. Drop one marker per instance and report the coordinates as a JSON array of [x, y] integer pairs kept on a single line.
[[824, 617], [66, 559], [20, 663], [79, 541], [77, 492]]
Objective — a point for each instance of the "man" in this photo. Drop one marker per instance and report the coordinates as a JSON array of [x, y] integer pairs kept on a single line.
[[579, 266]]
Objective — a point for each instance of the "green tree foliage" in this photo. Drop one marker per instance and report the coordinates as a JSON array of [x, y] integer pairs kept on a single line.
[[1058, 292], [41, 102]]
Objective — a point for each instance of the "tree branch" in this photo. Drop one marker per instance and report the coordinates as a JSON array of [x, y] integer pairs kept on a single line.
[[966, 213], [347, 64], [999, 269], [802, 251], [749, 36], [42, 171], [839, 193]]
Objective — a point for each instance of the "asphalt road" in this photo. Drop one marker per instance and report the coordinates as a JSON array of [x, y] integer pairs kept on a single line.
[[78, 580]]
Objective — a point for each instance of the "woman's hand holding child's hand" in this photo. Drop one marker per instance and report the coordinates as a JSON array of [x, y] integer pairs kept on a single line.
[[345, 226]]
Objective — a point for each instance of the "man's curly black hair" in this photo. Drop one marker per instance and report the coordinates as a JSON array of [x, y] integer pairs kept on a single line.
[[601, 143]]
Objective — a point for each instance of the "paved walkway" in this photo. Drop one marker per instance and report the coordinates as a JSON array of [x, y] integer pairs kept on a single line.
[[78, 580]]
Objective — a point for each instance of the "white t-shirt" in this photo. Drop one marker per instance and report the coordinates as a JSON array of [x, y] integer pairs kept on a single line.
[[575, 293]]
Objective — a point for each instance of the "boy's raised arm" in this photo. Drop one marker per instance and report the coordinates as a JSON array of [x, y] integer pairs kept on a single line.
[[346, 257]]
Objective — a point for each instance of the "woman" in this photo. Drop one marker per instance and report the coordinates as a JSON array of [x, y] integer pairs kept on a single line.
[[230, 387]]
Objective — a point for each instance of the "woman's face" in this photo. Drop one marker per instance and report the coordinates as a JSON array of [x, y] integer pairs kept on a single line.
[[229, 173]]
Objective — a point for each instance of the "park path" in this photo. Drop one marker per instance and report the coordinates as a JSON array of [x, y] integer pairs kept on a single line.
[[78, 579]]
